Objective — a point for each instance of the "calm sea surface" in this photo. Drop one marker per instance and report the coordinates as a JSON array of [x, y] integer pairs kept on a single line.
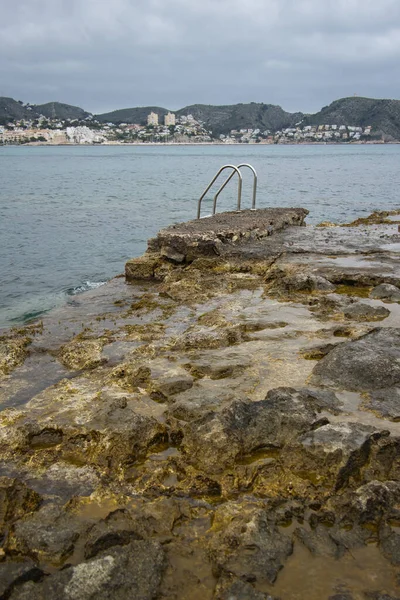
[[71, 216]]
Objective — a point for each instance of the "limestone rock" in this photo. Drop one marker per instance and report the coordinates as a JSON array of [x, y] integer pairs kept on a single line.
[[232, 588], [248, 545], [13, 574], [389, 541], [320, 542], [214, 441], [219, 365], [16, 501], [306, 282], [12, 353], [368, 363], [365, 312], [142, 268], [131, 571], [169, 383], [385, 402], [49, 535], [336, 451], [82, 354], [117, 529], [386, 291]]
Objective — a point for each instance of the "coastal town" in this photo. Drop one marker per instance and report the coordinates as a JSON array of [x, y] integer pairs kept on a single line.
[[174, 130]]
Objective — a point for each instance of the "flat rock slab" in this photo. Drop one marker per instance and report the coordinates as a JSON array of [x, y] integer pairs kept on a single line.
[[204, 237], [369, 363]]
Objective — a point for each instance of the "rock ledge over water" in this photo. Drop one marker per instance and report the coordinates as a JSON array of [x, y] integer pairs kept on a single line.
[[222, 424]]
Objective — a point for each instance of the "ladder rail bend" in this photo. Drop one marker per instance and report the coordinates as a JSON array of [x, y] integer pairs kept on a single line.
[[235, 170], [253, 205]]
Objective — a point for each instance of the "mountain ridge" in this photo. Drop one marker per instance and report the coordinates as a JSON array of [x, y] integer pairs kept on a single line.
[[382, 114]]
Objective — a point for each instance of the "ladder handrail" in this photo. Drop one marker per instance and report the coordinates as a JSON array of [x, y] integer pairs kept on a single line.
[[235, 170], [253, 206]]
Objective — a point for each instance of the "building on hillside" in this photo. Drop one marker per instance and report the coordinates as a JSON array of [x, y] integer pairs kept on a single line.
[[169, 119], [152, 119]]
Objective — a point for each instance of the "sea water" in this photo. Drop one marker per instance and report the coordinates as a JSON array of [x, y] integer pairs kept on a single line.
[[70, 216]]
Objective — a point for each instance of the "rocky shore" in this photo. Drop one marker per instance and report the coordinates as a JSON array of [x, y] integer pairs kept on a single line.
[[222, 423]]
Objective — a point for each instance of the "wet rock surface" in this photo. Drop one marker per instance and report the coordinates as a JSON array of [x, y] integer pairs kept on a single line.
[[226, 425], [368, 363]]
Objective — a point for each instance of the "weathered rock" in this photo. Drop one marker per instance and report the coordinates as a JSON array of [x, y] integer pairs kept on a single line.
[[389, 542], [16, 501], [226, 363], [370, 503], [368, 363], [143, 267], [335, 452], [216, 440], [322, 399], [223, 231], [82, 354], [170, 382], [380, 596], [232, 588], [364, 312], [203, 397], [131, 376], [117, 529], [247, 545], [306, 282], [386, 291], [384, 462], [13, 574], [209, 337], [13, 352], [49, 535], [131, 571], [319, 542], [317, 351], [103, 430], [385, 402]]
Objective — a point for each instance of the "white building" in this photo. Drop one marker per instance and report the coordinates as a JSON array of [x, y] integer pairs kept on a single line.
[[169, 119], [152, 119]]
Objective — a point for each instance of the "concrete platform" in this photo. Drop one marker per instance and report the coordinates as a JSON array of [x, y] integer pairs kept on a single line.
[[208, 236]]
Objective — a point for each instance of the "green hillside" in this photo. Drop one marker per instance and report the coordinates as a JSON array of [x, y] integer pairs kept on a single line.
[[57, 110], [11, 110], [221, 119], [131, 115], [382, 115]]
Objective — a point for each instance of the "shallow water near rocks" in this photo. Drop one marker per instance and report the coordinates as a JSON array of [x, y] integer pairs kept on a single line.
[[313, 578], [75, 214]]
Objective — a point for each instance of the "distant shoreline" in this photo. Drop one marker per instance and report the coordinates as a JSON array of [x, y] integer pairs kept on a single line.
[[161, 144]]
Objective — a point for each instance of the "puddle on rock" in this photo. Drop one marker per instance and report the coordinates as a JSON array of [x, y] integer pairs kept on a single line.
[[353, 412], [164, 454], [320, 577], [38, 372]]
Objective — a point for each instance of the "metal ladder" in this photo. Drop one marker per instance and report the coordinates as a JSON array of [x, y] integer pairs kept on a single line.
[[240, 181]]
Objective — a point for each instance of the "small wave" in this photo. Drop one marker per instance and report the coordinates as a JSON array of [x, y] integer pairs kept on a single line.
[[84, 287], [29, 316]]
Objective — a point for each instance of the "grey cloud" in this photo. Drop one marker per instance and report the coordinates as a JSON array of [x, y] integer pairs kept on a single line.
[[103, 55]]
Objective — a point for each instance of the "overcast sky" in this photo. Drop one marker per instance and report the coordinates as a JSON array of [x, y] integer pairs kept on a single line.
[[108, 54]]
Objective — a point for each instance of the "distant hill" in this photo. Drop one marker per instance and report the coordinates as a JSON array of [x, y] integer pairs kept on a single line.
[[11, 110], [57, 110], [221, 119], [131, 115], [382, 115]]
